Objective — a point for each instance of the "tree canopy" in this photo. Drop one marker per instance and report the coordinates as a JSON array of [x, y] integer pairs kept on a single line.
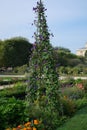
[[14, 52]]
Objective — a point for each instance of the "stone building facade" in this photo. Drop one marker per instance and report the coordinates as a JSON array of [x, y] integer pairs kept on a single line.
[[82, 51]]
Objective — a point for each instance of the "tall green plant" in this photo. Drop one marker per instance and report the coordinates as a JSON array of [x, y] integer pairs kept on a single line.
[[42, 90]]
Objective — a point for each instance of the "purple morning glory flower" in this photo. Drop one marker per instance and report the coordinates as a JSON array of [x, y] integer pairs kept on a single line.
[[34, 8]]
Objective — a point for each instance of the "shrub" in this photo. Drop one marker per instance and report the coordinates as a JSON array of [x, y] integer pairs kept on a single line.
[[2, 119], [85, 85], [12, 112], [71, 81], [73, 92], [18, 91], [21, 69], [78, 81], [68, 106], [80, 103], [8, 80], [33, 125]]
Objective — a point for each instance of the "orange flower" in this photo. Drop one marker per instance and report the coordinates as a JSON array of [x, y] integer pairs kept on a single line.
[[14, 129], [19, 126], [29, 128], [27, 124], [34, 128], [36, 122], [24, 128]]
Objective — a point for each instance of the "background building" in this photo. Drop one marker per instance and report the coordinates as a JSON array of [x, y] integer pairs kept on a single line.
[[82, 51]]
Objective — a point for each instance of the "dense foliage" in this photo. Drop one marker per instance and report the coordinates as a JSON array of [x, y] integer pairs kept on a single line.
[[14, 52], [12, 112], [66, 58], [73, 98], [69, 63], [16, 90]]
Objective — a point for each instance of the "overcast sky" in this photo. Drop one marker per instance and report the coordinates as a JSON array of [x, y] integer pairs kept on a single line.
[[67, 20]]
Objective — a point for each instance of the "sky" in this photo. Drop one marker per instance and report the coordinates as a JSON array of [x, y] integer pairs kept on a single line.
[[67, 20]]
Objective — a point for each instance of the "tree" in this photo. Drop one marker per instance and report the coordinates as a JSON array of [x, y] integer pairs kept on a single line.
[[16, 52], [1, 53], [66, 58], [62, 49], [43, 85]]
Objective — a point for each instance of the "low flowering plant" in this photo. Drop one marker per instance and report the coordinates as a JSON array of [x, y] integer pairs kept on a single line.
[[33, 125]]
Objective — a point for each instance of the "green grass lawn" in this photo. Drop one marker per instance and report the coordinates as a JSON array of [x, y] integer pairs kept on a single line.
[[78, 122]]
